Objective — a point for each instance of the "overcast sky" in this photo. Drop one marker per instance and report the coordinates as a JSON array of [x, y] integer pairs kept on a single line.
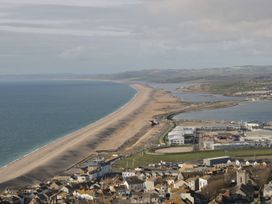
[[105, 36]]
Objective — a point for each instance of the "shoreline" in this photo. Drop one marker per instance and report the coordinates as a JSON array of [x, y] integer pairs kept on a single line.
[[108, 133], [34, 160], [74, 131]]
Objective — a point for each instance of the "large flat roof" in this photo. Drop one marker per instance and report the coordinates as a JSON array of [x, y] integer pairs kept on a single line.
[[223, 157]]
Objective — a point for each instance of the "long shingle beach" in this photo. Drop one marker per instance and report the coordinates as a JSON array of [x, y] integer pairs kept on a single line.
[[106, 134]]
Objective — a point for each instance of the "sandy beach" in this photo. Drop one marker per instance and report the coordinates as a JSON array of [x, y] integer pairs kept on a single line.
[[106, 134]]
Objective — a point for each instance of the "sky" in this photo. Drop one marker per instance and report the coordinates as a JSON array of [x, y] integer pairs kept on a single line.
[[107, 36]]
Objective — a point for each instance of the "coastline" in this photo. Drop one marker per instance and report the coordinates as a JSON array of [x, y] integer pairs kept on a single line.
[[77, 129], [129, 123], [52, 152]]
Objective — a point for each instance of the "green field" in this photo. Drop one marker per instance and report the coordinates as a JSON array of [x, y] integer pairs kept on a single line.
[[142, 159], [232, 87]]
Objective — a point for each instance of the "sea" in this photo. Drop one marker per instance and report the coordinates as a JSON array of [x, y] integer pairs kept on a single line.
[[34, 113], [260, 111]]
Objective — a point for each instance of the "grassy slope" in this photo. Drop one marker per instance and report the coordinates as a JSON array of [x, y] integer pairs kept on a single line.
[[232, 87]]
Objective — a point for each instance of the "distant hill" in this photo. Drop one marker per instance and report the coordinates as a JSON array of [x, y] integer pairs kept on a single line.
[[248, 72], [182, 75]]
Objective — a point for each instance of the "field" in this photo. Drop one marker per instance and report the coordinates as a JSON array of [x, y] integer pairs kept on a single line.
[[142, 159], [230, 87]]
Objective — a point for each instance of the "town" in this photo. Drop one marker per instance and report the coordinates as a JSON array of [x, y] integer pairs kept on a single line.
[[135, 102], [219, 179]]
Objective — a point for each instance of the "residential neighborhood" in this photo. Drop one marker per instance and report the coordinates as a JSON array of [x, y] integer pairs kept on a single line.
[[213, 180]]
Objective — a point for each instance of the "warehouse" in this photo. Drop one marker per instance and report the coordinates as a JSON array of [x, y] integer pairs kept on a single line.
[[181, 135], [216, 160]]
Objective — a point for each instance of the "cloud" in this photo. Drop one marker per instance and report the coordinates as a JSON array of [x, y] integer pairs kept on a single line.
[[90, 3], [76, 52], [119, 35], [69, 32]]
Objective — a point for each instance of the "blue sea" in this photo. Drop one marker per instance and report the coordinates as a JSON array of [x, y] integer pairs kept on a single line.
[[34, 113]]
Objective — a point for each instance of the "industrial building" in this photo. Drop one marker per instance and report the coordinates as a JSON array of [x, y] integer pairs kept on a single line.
[[216, 160], [234, 145], [181, 135]]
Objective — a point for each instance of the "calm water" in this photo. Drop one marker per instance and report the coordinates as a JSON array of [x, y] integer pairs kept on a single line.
[[192, 97], [33, 113], [249, 111], [260, 111]]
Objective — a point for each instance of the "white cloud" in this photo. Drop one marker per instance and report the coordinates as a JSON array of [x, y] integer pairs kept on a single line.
[[76, 52], [38, 22], [66, 31], [91, 3], [135, 33]]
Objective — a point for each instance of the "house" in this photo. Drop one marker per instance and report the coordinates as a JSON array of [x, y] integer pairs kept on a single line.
[[104, 169], [191, 183], [83, 196], [11, 191], [11, 199], [119, 201], [121, 190], [151, 197], [55, 185], [200, 183], [126, 174], [161, 185], [93, 175], [246, 191], [243, 177], [66, 189], [267, 191], [208, 144], [42, 198], [149, 185], [187, 198], [134, 184], [136, 198], [180, 183], [246, 187], [82, 178], [197, 183]]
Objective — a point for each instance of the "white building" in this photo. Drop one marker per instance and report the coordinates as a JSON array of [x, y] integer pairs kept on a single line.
[[218, 146], [127, 174], [186, 197], [176, 140], [179, 134], [134, 184], [197, 183], [251, 125], [208, 144], [201, 183], [267, 192], [82, 178], [100, 171], [216, 160], [149, 185]]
